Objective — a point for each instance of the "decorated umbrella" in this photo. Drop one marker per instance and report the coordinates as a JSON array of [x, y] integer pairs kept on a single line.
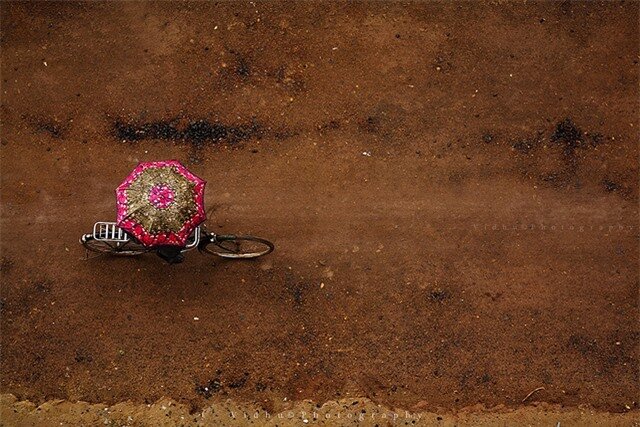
[[161, 203]]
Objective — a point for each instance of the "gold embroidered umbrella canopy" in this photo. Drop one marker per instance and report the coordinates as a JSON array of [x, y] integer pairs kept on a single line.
[[160, 203]]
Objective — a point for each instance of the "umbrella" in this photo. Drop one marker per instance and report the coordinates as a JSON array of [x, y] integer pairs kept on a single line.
[[161, 203]]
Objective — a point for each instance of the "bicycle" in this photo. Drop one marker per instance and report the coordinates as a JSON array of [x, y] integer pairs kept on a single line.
[[108, 238]]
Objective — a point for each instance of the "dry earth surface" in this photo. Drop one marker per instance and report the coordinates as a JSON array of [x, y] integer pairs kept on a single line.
[[452, 189]]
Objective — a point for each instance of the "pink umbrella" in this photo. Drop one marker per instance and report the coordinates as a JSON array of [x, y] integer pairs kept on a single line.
[[161, 203]]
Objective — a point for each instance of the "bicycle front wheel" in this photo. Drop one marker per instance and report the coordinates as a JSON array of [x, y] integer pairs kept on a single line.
[[129, 248], [235, 247]]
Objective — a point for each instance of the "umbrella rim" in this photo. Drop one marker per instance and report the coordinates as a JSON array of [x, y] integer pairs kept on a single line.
[[182, 168]]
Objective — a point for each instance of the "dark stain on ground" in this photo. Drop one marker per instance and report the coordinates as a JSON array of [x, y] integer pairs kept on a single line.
[[51, 127], [485, 378], [198, 133], [494, 297], [566, 135], [465, 377], [82, 356], [207, 390], [328, 126], [54, 130], [582, 344], [371, 124], [297, 295], [569, 137], [613, 353], [283, 134], [571, 144], [386, 122], [240, 382], [6, 265], [243, 69], [294, 291], [610, 186], [524, 146], [42, 286], [439, 295], [240, 69]]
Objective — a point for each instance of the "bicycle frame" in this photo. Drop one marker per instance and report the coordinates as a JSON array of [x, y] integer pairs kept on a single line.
[[111, 233], [118, 242]]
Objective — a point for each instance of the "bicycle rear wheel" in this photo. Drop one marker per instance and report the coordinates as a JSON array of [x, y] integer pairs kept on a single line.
[[235, 247], [129, 248]]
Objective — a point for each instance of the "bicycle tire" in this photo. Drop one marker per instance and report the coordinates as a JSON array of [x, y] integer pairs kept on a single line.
[[101, 246], [221, 245]]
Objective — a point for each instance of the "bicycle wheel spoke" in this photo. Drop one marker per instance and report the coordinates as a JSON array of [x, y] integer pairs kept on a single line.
[[234, 250], [114, 248]]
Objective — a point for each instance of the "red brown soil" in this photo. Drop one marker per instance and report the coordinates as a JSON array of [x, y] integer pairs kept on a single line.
[[399, 154]]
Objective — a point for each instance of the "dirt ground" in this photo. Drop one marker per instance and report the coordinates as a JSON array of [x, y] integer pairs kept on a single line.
[[344, 412], [452, 189]]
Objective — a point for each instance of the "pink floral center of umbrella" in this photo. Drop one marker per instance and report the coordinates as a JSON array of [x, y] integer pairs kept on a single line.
[[161, 196]]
